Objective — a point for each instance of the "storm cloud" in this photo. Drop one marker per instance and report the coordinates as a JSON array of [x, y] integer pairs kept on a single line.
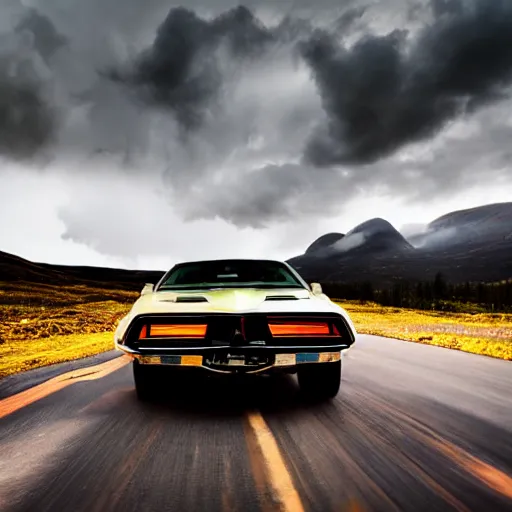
[[390, 90], [257, 115], [180, 70], [27, 120]]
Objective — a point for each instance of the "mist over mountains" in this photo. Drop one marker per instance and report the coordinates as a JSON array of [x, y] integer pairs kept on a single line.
[[467, 245]]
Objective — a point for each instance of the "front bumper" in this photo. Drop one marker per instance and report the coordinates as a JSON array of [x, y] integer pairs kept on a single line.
[[240, 359]]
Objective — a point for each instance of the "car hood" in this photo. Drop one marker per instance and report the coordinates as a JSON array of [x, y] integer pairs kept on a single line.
[[232, 300]]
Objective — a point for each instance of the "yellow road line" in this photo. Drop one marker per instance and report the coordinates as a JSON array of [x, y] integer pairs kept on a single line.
[[15, 402], [280, 478], [487, 474]]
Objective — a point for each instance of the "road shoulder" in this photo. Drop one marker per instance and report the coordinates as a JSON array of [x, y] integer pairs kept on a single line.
[[21, 381]]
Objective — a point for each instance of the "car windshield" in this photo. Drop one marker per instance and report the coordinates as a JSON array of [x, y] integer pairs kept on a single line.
[[230, 274]]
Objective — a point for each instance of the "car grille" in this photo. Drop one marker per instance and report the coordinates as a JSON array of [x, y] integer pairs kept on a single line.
[[232, 330]]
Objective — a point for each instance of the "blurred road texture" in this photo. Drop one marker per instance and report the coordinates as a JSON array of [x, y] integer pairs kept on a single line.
[[415, 428]]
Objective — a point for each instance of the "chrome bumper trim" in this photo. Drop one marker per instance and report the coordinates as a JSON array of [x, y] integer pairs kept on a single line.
[[280, 361]]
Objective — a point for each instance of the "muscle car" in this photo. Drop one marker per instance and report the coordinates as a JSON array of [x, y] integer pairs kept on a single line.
[[237, 317]]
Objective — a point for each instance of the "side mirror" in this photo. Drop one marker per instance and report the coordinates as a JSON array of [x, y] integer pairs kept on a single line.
[[316, 288], [148, 288]]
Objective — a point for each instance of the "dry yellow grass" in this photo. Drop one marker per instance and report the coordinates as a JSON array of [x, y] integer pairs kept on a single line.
[[486, 334], [72, 327], [36, 295], [27, 323], [20, 355]]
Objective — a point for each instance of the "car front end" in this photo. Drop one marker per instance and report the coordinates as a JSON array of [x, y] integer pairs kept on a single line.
[[237, 317], [235, 342]]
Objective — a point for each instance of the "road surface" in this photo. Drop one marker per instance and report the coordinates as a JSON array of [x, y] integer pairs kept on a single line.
[[414, 428]]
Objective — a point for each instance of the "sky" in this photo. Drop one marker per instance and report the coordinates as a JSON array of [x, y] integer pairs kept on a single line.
[[141, 133]]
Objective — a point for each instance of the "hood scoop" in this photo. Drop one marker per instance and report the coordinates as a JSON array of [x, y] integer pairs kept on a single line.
[[186, 298], [191, 298], [281, 297]]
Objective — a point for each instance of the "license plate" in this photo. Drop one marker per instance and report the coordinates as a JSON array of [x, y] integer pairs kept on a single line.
[[236, 361], [307, 358], [170, 359]]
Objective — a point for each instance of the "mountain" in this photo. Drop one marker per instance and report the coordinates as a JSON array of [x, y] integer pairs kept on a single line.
[[375, 236], [324, 242], [467, 245], [490, 223], [14, 268], [497, 216], [372, 236]]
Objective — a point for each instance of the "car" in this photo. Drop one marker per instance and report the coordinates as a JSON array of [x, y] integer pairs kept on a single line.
[[237, 316]]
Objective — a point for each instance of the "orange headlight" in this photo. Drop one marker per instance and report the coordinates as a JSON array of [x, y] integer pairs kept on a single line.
[[297, 328], [174, 331]]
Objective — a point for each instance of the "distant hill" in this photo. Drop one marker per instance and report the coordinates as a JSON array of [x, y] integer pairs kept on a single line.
[[14, 268], [466, 245], [324, 242], [375, 236], [490, 223], [495, 216]]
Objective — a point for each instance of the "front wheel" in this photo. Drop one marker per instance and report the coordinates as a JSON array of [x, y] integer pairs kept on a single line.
[[320, 381], [143, 377]]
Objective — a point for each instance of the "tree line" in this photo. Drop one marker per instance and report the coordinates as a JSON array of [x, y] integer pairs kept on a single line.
[[436, 294]]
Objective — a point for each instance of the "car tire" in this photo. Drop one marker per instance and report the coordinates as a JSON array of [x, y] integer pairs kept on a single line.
[[143, 377], [320, 381]]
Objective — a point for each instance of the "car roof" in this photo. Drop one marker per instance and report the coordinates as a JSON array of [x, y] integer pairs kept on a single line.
[[231, 260]]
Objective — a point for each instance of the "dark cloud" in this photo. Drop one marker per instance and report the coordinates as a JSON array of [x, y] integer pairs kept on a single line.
[[244, 33], [442, 7], [28, 121], [180, 70], [349, 18], [474, 153], [292, 29], [263, 195], [46, 39], [269, 194], [386, 91], [260, 114]]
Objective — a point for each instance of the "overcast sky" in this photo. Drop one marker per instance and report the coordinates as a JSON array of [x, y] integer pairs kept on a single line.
[[140, 133]]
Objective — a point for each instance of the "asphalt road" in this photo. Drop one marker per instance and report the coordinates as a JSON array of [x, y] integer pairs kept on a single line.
[[413, 428]]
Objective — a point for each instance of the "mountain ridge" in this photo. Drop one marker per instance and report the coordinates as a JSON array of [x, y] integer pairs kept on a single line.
[[473, 244], [16, 268]]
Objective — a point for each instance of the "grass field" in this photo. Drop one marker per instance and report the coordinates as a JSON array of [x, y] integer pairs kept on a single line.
[[42, 325], [487, 334]]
